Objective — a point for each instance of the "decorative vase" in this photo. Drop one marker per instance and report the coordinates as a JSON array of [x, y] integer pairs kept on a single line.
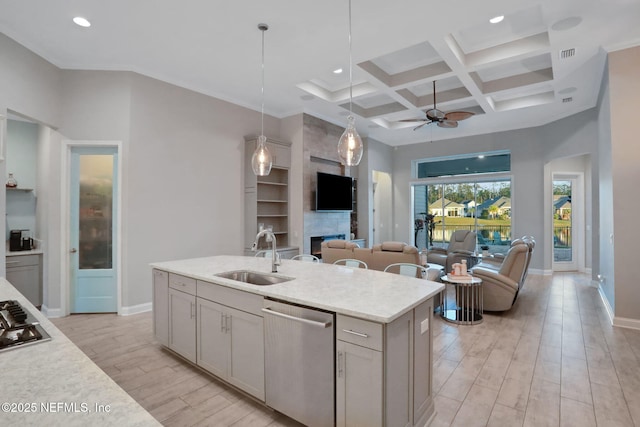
[[11, 181]]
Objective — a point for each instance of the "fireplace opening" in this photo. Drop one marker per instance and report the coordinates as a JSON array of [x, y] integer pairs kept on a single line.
[[316, 243]]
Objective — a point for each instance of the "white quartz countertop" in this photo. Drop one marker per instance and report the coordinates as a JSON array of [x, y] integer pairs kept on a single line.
[[366, 294], [53, 383]]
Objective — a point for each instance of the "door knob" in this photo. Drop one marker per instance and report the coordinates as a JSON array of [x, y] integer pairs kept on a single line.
[[73, 250]]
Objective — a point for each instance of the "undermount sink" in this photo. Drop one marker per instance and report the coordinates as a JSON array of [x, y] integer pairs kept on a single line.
[[253, 277]]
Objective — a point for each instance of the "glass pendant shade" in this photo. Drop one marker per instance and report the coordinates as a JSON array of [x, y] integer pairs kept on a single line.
[[350, 146], [261, 161]]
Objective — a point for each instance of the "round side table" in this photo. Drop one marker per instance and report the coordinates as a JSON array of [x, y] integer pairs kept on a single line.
[[466, 309]]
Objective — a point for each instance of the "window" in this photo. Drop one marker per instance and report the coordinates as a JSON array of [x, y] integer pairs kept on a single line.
[[445, 202]]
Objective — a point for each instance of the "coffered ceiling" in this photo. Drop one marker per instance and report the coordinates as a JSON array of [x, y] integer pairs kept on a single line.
[[543, 62]]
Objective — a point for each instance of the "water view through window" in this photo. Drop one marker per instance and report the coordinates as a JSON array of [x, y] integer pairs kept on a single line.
[[483, 207], [562, 219]]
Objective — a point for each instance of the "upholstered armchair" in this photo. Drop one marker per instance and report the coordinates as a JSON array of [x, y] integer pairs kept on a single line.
[[500, 287], [461, 246]]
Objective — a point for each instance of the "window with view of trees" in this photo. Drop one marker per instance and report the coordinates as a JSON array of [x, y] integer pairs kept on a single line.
[[480, 202]]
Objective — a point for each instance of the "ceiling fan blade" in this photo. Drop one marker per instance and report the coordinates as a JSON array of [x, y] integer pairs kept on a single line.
[[458, 115], [423, 124], [448, 124], [435, 114], [413, 120]]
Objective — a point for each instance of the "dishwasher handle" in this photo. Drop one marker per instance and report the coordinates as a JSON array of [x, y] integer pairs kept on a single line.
[[298, 319]]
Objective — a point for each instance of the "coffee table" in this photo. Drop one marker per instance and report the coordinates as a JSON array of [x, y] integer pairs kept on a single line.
[[467, 306]]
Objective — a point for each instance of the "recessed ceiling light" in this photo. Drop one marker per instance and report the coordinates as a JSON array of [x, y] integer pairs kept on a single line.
[[83, 22], [337, 71], [567, 23], [496, 19]]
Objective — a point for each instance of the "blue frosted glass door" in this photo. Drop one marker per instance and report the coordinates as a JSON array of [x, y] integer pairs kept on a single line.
[[93, 230]]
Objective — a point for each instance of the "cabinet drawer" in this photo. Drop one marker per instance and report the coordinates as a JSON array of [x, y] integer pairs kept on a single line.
[[360, 332], [234, 298], [22, 260], [182, 283]]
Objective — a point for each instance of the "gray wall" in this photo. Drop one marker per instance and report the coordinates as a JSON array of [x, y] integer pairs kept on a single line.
[[377, 157], [624, 87], [605, 191], [182, 153], [527, 184]]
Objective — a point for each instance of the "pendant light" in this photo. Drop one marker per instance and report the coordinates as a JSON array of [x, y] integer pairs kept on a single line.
[[350, 146], [261, 160]]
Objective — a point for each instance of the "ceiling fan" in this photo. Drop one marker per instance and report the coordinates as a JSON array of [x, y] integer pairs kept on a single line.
[[442, 119]]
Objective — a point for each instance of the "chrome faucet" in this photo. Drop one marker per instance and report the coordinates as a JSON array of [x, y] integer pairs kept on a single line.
[[275, 258]]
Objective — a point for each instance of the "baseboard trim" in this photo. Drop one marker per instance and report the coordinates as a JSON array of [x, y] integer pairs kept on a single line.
[[50, 313], [624, 322], [605, 301], [621, 322], [540, 272], [136, 309]]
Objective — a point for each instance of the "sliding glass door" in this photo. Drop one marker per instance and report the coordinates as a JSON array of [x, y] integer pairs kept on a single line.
[[441, 208]]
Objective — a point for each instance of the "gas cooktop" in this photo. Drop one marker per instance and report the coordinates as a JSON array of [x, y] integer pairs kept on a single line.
[[18, 327]]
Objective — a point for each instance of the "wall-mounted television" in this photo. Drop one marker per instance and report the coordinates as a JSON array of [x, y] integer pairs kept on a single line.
[[334, 193]]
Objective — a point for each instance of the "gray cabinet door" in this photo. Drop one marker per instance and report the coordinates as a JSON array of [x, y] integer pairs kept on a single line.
[[26, 280], [246, 343], [423, 405], [182, 324], [161, 306], [231, 346], [212, 337], [358, 386]]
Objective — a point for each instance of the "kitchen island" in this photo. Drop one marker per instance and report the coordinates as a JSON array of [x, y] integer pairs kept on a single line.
[[381, 348], [54, 383]]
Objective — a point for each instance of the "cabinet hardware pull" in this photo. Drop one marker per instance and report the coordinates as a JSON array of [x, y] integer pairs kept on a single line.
[[355, 333], [297, 319], [222, 316], [229, 320], [193, 310], [339, 364]]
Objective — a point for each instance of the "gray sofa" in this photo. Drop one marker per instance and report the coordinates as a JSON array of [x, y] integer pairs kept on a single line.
[[376, 258]]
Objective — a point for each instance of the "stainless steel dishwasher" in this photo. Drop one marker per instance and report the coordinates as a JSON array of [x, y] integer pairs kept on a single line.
[[299, 362]]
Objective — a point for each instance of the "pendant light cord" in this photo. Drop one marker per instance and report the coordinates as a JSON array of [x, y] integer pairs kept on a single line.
[[350, 65], [263, 28]]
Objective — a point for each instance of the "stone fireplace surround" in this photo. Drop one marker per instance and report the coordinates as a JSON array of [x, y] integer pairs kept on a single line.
[[320, 155], [316, 243]]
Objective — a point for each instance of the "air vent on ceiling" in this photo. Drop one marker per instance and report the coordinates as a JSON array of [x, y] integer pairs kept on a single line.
[[568, 99], [567, 53]]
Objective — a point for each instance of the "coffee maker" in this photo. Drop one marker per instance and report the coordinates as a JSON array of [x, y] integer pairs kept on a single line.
[[19, 240]]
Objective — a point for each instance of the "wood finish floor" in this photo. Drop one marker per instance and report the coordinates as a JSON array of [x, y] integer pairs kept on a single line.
[[552, 360]]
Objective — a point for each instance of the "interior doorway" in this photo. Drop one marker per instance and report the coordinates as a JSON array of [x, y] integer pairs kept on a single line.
[[382, 230], [92, 226], [567, 219]]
